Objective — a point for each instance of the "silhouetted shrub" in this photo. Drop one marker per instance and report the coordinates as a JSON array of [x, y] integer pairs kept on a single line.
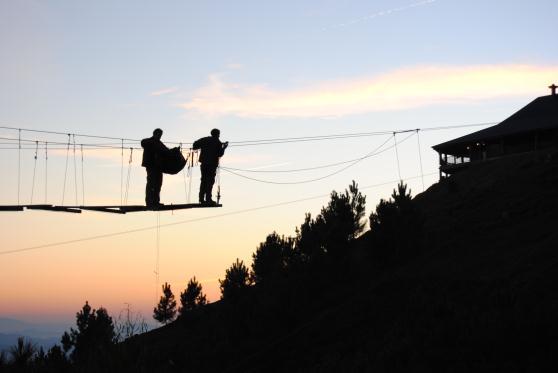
[[237, 280], [166, 308], [192, 297], [129, 323], [396, 227]]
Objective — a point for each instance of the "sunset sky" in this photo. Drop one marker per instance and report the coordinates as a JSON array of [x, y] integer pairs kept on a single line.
[[255, 70]]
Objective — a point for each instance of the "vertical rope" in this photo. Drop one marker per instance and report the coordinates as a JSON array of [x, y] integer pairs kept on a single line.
[[397, 155], [190, 171], [128, 178], [420, 159], [34, 170], [65, 171], [46, 172], [18, 165], [121, 170], [218, 184], [184, 173], [158, 237], [75, 171], [82, 178]]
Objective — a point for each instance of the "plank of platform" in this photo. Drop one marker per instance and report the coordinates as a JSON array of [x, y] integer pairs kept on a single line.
[[102, 209], [54, 208], [11, 208], [114, 209], [169, 207]]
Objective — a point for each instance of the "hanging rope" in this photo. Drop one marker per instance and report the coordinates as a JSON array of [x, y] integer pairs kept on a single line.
[[190, 171], [158, 237], [420, 160], [128, 178], [397, 155], [18, 165], [34, 169], [82, 179], [65, 171], [75, 171], [184, 173], [218, 184], [46, 172], [121, 169]]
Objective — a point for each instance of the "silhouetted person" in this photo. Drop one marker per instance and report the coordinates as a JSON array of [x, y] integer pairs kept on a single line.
[[211, 150], [153, 153]]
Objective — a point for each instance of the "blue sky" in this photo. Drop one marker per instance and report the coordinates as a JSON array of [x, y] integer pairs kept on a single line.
[[255, 70]]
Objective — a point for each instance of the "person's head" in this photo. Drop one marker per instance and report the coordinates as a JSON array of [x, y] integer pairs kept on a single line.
[[215, 132], [157, 133]]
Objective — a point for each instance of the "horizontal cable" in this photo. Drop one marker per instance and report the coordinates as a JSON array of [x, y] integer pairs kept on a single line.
[[353, 162]]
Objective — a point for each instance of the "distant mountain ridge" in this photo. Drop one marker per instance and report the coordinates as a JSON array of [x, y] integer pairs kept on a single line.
[[45, 335]]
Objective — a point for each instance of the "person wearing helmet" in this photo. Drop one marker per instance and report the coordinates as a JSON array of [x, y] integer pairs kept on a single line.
[[211, 150], [153, 153]]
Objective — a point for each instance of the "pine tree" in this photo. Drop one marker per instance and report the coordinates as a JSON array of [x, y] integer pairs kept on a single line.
[[192, 297], [237, 280], [272, 258], [166, 309], [94, 334]]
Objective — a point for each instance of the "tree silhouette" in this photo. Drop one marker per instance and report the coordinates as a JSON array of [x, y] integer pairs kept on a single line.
[[166, 309], [237, 280], [338, 223], [3, 359], [93, 337], [192, 297], [272, 258], [396, 226], [22, 353]]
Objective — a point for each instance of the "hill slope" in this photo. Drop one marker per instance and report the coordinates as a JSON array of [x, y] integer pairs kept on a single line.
[[481, 296]]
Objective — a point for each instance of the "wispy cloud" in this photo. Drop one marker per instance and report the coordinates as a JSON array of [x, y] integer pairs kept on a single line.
[[381, 13], [164, 91], [399, 89]]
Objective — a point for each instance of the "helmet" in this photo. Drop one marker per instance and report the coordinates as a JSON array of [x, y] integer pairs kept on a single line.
[[215, 132]]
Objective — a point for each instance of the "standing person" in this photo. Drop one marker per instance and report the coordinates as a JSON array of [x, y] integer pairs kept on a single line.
[[211, 150], [153, 153]]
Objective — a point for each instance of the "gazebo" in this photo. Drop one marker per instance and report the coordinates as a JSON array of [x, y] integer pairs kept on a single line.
[[532, 128]]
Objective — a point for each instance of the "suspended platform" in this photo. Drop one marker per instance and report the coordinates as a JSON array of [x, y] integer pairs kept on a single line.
[[114, 209]]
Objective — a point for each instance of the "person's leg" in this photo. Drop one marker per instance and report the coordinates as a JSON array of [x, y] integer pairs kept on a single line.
[[149, 188], [211, 171], [157, 187], [203, 183]]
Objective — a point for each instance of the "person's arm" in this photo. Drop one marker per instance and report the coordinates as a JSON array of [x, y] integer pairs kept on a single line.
[[223, 147]]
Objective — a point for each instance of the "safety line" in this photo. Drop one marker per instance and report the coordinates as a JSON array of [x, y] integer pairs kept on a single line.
[[19, 166], [34, 171], [65, 171], [46, 172], [82, 178], [75, 171], [396, 156], [375, 152], [420, 159], [265, 141]]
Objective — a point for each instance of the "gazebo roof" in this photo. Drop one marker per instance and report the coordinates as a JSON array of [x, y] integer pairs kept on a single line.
[[540, 114]]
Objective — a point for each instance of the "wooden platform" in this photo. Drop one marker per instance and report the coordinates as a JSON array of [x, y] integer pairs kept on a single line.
[[114, 209]]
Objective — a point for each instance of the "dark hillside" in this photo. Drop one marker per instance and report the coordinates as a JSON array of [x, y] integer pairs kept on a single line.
[[482, 295]]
